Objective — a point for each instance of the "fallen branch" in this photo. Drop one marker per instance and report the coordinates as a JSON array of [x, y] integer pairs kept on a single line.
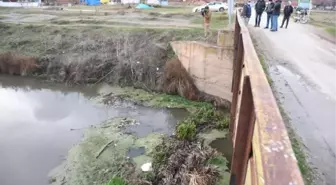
[[103, 148]]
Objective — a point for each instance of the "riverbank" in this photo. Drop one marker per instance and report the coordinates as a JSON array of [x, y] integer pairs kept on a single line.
[[141, 61]]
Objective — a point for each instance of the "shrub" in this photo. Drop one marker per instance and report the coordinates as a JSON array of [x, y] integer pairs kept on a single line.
[[223, 124], [117, 181], [186, 130]]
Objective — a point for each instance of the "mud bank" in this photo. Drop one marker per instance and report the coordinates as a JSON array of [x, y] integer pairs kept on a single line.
[[118, 147], [126, 57], [121, 145]]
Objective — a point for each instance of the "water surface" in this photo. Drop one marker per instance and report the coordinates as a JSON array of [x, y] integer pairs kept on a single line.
[[40, 122]]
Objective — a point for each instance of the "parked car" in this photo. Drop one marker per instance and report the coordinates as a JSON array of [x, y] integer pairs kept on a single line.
[[213, 6]]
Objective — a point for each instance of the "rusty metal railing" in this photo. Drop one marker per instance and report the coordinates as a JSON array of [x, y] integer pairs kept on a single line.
[[262, 149]]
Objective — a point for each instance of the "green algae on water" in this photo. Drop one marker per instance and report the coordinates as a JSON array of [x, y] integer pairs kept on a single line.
[[101, 155]]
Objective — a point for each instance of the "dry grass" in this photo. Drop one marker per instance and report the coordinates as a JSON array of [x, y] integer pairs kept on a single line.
[[181, 162], [176, 80], [197, 178], [326, 20], [15, 64]]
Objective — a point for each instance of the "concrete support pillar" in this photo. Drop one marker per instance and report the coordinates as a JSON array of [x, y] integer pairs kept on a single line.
[[225, 38]]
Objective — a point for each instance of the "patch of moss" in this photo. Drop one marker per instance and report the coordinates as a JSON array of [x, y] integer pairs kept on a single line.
[[331, 30], [223, 124], [148, 176], [265, 68], [155, 99], [102, 155], [221, 163], [218, 161], [186, 130], [117, 181], [160, 154], [201, 113]]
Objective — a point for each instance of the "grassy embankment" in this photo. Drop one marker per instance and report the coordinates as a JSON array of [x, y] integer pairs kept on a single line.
[[24, 39], [325, 20]]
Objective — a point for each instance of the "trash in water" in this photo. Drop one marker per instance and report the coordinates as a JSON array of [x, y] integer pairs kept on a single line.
[[146, 167]]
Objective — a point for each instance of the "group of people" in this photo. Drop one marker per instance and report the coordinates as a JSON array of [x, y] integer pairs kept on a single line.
[[272, 9]]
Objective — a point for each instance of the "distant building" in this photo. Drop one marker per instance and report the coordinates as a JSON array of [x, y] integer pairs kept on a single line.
[[65, 2], [130, 1], [158, 2]]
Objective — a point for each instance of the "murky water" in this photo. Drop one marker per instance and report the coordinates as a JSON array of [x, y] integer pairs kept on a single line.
[[40, 122], [224, 146]]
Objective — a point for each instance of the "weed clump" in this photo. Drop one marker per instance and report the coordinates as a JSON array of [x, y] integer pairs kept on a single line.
[[176, 80], [117, 181], [223, 124], [202, 119], [186, 130], [184, 162]]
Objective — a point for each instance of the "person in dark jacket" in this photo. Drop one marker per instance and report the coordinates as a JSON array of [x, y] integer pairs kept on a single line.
[[288, 10], [259, 7], [275, 15], [269, 10], [246, 13]]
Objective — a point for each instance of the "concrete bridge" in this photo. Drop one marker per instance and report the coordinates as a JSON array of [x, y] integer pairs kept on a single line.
[[263, 154]]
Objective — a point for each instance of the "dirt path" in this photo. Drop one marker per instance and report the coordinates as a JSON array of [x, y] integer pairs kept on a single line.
[[303, 68], [113, 19]]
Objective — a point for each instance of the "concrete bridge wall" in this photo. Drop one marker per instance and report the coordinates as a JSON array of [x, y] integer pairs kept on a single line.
[[209, 66]]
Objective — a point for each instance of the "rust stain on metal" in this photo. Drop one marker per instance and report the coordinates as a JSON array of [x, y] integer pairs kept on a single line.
[[273, 159]]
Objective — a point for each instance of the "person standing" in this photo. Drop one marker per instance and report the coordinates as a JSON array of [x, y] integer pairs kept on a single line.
[[259, 8], [206, 13], [246, 13], [275, 15], [288, 10], [269, 11]]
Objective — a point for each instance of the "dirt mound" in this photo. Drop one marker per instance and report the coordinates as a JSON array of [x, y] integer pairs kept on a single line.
[[14, 64], [176, 80], [181, 162]]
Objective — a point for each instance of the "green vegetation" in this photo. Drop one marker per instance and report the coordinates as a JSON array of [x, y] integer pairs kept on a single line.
[[263, 65], [203, 115], [158, 100], [186, 130], [223, 123], [23, 38], [221, 163], [331, 30], [265, 68], [200, 112], [218, 20], [117, 181], [171, 10], [325, 20], [58, 36]]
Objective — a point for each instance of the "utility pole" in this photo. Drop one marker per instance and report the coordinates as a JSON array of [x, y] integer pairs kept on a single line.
[[230, 10]]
